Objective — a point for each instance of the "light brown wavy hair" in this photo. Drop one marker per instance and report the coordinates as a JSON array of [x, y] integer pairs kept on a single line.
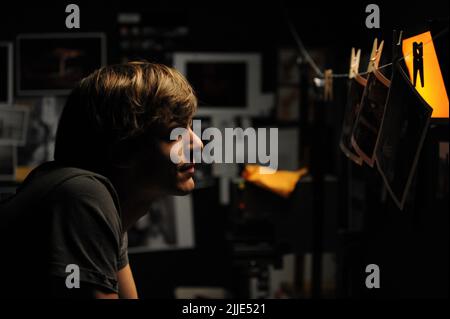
[[108, 113]]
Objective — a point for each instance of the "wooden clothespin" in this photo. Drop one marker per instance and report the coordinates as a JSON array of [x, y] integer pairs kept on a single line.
[[354, 63], [372, 55], [328, 85], [418, 63], [375, 55]]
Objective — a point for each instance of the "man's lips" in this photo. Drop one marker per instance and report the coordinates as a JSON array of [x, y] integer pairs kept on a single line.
[[187, 168]]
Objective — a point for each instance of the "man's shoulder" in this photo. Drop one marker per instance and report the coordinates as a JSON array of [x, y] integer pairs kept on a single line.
[[52, 182], [50, 177], [51, 188], [88, 186], [89, 193], [85, 183]]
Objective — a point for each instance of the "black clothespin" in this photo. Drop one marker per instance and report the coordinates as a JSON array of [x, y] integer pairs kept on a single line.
[[418, 63]]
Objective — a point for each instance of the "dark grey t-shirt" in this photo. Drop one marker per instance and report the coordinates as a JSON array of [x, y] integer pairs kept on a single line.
[[61, 216]]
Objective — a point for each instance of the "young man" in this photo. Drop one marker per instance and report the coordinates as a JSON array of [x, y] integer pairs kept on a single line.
[[69, 218]]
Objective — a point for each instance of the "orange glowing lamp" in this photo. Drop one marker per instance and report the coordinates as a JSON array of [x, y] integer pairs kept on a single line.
[[433, 90]]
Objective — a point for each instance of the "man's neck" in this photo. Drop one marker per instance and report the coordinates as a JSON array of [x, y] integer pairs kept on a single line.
[[134, 199], [133, 208]]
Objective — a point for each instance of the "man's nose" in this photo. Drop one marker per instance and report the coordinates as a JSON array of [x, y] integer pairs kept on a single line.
[[196, 142], [195, 147]]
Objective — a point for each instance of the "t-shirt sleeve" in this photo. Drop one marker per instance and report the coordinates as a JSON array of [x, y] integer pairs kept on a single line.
[[86, 231], [123, 256]]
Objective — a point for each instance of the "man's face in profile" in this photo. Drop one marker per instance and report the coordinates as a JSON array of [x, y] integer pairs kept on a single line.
[[155, 168]]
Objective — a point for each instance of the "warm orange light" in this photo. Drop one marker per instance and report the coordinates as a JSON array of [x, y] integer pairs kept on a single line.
[[433, 92], [22, 172]]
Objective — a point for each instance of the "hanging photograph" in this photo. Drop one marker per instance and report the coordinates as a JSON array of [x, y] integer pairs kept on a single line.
[[368, 122], [404, 127], [354, 96]]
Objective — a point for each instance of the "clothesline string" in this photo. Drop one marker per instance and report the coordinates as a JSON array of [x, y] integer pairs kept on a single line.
[[311, 62], [345, 75]]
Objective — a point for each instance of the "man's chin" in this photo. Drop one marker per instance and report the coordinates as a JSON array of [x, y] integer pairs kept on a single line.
[[185, 187]]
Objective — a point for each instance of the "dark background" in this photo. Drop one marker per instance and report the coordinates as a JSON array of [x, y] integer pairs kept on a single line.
[[236, 25], [390, 236]]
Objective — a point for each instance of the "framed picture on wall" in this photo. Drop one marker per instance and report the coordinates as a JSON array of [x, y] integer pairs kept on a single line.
[[52, 64]]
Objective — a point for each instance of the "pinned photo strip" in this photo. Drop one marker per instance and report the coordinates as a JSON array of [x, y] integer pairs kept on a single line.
[[368, 122]]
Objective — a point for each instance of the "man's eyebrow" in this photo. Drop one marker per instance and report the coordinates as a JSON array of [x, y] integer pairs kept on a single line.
[[173, 125]]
